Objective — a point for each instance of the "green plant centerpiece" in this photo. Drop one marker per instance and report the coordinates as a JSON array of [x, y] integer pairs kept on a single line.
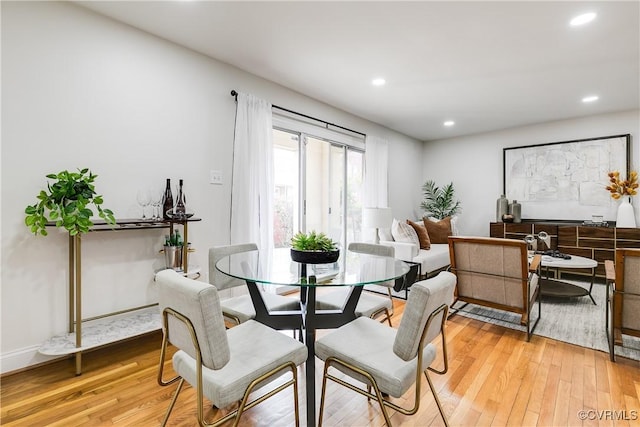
[[313, 248], [439, 202], [67, 202]]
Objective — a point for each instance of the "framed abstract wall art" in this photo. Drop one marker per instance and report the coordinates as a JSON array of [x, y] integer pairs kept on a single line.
[[565, 180]]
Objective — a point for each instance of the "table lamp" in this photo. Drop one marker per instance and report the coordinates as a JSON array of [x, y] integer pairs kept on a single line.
[[377, 218]]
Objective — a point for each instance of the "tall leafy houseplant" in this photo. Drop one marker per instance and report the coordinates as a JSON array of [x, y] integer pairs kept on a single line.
[[439, 202], [67, 201]]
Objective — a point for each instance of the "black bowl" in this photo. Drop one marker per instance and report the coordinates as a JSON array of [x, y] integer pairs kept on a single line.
[[315, 257]]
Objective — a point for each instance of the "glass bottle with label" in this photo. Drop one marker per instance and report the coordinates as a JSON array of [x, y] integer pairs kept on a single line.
[[167, 200], [180, 209]]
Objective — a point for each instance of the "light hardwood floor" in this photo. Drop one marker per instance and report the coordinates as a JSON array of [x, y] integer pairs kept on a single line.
[[495, 378]]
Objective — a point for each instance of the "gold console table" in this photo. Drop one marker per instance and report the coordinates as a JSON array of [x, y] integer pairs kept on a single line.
[[143, 320]]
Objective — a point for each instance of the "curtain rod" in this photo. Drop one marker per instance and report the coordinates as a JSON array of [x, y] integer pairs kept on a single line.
[[327, 124]]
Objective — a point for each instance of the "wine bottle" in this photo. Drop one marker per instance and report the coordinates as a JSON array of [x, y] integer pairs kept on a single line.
[[180, 209], [167, 200]]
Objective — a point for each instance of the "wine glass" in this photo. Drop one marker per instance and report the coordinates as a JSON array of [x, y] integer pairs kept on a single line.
[[156, 201], [144, 198]]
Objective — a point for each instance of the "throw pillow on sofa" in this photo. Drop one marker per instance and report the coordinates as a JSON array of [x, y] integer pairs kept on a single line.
[[439, 231], [385, 234], [403, 232], [423, 235]]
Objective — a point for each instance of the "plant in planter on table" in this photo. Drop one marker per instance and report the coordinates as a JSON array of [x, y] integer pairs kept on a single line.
[[314, 248], [67, 202]]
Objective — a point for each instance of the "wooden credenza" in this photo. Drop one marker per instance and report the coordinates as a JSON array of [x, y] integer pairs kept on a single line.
[[598, 243]]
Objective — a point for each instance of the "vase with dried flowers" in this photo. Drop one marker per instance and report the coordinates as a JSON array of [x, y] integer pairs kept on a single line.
[[624, 189]]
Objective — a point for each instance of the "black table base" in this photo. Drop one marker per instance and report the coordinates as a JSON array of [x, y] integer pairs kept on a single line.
[[307, 320]]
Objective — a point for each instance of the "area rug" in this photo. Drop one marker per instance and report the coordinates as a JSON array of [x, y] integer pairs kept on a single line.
[[573, 320]]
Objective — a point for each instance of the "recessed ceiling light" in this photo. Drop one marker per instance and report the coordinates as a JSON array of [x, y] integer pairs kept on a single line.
[[590, 98], [449, 123], [585, 18], [378, 81]]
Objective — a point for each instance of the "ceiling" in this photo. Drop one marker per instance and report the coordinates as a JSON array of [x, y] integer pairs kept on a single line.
[[485, 65]]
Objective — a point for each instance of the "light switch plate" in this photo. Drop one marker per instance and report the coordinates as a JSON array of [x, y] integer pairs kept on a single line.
[[215, 177]]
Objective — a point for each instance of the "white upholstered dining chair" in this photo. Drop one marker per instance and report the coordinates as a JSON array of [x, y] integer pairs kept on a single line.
[[387, 359], [239, 308], [225, 366], [370, 304]]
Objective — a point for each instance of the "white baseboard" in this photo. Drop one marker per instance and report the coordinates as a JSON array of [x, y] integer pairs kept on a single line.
[[23, 358]]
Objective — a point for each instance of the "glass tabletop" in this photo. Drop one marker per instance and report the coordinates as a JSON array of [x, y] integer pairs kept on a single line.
[[351, 269]]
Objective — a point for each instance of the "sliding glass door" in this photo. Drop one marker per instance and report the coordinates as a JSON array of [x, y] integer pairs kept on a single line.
[[286, 201], [318, 186]]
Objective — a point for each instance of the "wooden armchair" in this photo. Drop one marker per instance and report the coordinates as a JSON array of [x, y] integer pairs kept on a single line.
[[496, 273], [623, 297]]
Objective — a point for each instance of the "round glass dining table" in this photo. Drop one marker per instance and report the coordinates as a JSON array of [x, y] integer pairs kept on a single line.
[[352, 269]]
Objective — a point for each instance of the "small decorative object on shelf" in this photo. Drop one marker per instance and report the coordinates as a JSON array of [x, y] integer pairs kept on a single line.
[[596, 221], [314, 248], [179, 211], [554, 254], [180, 208], [589, 223], [515, 210], [173, 250], [167, 200], [507, 218], [545, 240], [624, 189], [532, 244], [502, 207], [626, 216]]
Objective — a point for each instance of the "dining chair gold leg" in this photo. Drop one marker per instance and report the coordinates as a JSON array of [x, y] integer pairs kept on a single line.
[[322, 394], [435, 396], [381, 403], [173, 402], [295, 397]]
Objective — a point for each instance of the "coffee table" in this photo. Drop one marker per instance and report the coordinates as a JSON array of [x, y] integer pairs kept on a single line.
[[559, 288]]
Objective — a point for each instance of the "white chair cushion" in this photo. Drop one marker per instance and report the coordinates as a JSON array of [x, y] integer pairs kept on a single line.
[[255, 350], [368, 344]]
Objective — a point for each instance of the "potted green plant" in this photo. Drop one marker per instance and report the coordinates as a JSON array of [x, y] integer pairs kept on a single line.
[[314, 248], [67, 202], [439, 202]]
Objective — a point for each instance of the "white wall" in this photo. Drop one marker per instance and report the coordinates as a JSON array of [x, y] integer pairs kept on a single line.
[[474, 163], [80, 90]]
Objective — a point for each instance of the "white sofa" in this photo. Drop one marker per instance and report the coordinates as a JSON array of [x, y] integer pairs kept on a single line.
[[432, 261]]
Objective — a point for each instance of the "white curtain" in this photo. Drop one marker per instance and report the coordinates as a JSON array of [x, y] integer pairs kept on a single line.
[[375, 193], [252, 180], [376, 159]]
